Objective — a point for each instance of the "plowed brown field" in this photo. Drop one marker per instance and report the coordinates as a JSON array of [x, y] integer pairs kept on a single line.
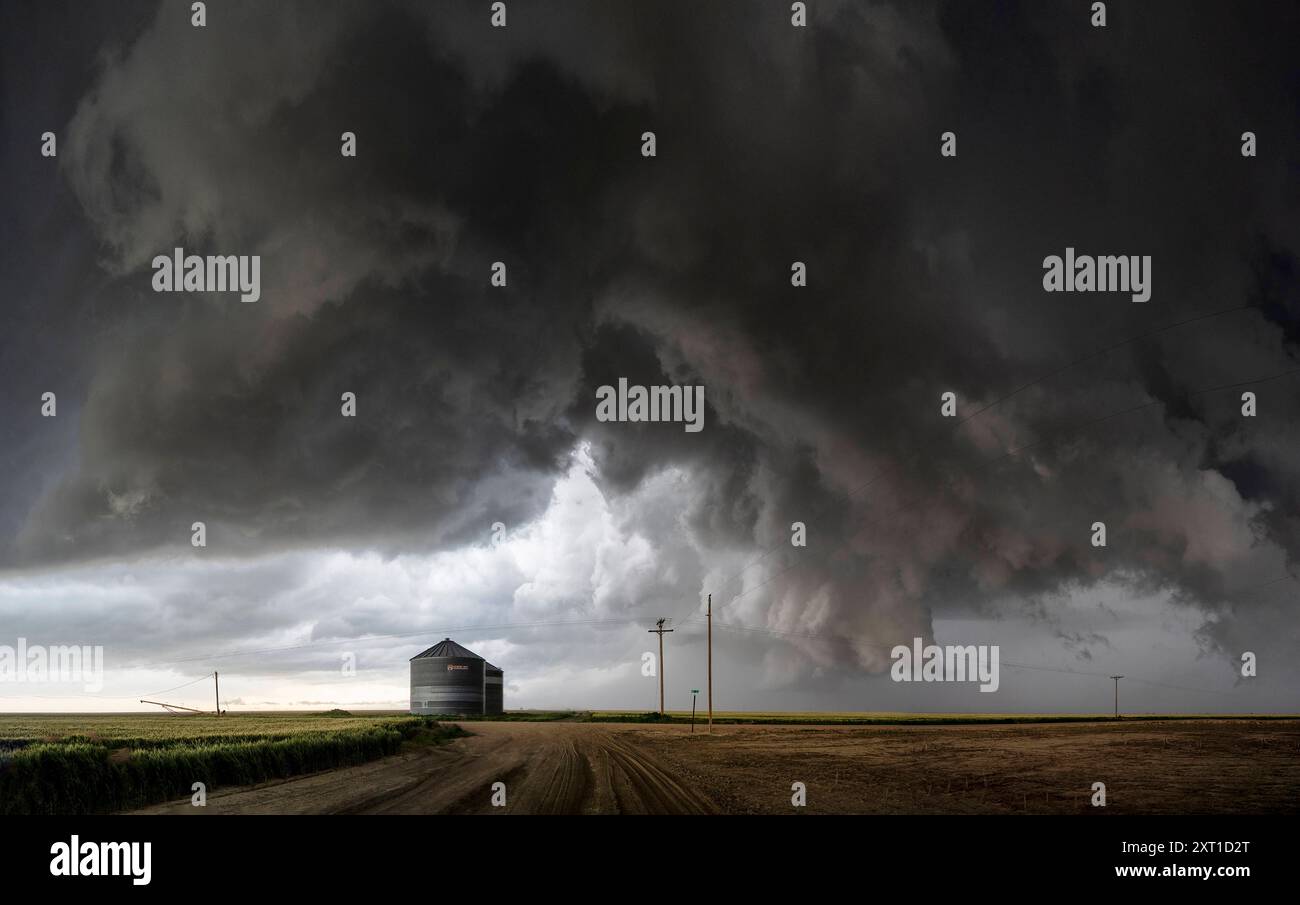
[[1182, 767]]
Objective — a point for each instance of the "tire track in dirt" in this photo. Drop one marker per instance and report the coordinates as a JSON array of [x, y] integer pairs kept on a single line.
[[574, 768], [587, 768], [462, 785], [555, 780], [478, 800], [567, 787], [647, 788], [417, 787]]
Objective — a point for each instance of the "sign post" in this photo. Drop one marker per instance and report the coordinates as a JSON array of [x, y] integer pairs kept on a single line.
[[694, 692]]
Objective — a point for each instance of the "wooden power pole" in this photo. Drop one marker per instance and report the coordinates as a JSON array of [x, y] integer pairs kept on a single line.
[[660, 632], [710, 663], [216, 687], [1117, 678]]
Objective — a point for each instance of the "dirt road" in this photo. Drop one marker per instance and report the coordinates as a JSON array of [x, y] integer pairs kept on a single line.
[[1198, 767], [547, 768]]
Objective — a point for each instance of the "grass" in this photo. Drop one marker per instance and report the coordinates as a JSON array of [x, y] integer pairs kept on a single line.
[[80, 764]]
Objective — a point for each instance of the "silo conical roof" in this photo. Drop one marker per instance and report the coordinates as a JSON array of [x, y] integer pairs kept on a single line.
[[447, 648]]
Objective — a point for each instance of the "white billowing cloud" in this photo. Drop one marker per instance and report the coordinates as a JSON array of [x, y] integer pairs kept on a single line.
[[153, 159], [277, 626], [293, 616]]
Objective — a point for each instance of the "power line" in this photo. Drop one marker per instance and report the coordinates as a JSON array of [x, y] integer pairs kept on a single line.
[[152, 694], [970, 418], [1137, 408], [559, 623], [1100, 352], [1013, 665], [798, 561], [363, 638], [254, 651], [1249, 589], [661, 631], [110, 697]]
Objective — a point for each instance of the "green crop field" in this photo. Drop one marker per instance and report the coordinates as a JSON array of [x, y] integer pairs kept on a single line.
[[144, 729], [94, 763]]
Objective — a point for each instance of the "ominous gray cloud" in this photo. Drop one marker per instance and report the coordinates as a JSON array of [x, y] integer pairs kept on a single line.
[[775, 144]]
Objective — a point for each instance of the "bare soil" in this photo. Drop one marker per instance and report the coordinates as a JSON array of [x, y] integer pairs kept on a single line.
[[1183, 767]]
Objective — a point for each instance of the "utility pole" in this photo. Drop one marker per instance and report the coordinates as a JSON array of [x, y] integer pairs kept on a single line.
[[660, 632], [1117, 678], [710, 664], [216, 685]]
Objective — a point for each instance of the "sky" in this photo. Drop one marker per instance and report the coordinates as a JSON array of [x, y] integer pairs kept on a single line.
[[338, 547]]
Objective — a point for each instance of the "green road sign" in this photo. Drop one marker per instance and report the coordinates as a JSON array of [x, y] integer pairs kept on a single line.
[[695, 691]]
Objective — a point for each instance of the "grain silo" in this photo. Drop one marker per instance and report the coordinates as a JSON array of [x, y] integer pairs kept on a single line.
[[493, 690], [450, 679]]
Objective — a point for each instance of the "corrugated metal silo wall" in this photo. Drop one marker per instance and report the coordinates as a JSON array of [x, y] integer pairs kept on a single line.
[[494, 692], [451, 685]]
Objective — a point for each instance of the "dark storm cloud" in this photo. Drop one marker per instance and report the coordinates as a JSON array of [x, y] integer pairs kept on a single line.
[[376, 273], [775, 145]]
